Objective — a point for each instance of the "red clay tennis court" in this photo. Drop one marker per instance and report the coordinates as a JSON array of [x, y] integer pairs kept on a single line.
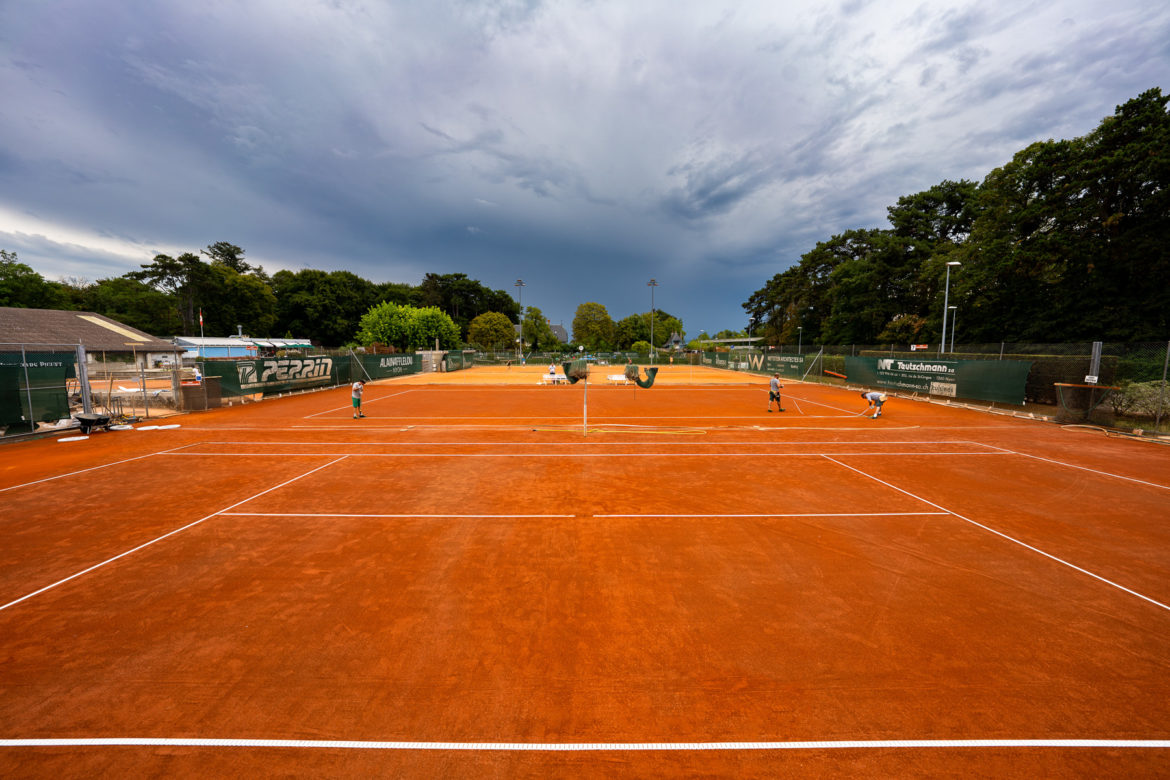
[[475, 582]]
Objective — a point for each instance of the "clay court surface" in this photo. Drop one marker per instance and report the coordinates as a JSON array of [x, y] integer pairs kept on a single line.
[[465, 584]]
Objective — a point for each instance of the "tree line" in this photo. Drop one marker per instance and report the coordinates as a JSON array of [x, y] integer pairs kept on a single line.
[[217, 292], [1067, 242]]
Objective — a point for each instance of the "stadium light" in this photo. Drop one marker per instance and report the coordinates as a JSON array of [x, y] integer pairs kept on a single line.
[[946, 300], [520, 302], [652, 284]]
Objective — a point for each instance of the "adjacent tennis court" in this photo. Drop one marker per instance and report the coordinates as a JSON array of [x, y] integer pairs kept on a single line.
[[491, 577]]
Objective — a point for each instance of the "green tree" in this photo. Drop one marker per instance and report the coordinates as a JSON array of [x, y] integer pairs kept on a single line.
[[593, 327], [22, 287], [641, 347], [629, 329], [491, 330], [463, 298], [186, 279], [133, 303], [387, 323], [229, 256], [238, 301], [408, 327], [538, 333], [433, 325], [325, 307]]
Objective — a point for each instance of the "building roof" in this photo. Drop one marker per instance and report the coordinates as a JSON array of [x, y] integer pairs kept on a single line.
[[190, 342], [69, 328]]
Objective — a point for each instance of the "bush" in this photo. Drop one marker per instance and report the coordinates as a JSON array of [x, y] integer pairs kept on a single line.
[[1139, 399]]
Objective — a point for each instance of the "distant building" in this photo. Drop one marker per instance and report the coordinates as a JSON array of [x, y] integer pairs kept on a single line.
[[30, 328], [675, 342], [561, 334], [198, 347]]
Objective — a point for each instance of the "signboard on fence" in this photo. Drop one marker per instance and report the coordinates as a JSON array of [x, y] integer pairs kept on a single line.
[[985, 380], [788, 366], [383, 366], [272, 375], [38, 378]]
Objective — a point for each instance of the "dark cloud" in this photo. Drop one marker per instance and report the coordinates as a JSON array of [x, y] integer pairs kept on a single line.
[[584, 146]]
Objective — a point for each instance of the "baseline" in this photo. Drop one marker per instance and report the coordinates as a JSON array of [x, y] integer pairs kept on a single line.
[[879, 744]]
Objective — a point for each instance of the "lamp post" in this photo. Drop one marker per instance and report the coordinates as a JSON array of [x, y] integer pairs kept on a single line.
[[652, 284], [520, 302], [799, 338], [954, 318], [946, 300]]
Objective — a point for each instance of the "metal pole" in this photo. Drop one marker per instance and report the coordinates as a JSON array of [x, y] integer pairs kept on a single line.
[[946, 299], [954, 319], [799, 338], [652, 284], [519, 285], [32, 425], [942, 347]]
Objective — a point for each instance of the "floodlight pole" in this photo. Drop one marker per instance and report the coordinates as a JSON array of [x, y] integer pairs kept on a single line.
[[799, 338], [954, 318], [652, 284], [946, 301], [520, 302]]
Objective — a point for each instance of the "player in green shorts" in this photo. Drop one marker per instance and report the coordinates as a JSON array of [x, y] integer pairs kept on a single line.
[[356, 394]]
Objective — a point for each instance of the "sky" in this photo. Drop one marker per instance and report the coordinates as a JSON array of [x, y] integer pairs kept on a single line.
[[584, 146]]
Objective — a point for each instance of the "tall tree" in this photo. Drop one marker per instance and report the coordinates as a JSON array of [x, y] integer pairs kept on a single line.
[[325, 307], [491, 330], [133, 303], [537, 332], [22, 287], [185, 278], [593, 327]]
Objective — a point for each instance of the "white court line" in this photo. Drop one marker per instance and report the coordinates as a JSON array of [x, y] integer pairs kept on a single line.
[[342, 514], [565, 454], [325, 744], [94, 468], [164, 536], [1000, 534], [364, 402], [1084, 468], [783, 443], [795, 514]]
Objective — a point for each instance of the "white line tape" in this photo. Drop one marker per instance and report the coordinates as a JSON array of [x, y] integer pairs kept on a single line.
[[325, 744]]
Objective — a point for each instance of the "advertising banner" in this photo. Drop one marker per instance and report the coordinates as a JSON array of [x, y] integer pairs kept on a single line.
[[271, 375], [788, 366], [1001, 381]]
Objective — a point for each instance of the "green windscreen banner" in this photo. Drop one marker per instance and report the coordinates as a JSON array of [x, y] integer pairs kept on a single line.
[[787, 366], [1002, 381], [271, 375], [38, 378], [385, 366]]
